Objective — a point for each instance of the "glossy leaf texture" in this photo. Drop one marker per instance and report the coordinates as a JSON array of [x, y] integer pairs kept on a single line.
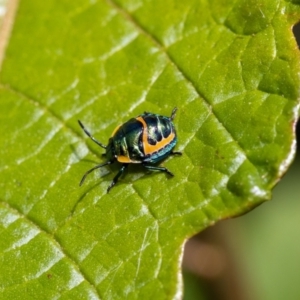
[[231, 68]]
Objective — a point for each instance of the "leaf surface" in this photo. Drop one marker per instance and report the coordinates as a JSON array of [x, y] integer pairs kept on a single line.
[[232, 71]]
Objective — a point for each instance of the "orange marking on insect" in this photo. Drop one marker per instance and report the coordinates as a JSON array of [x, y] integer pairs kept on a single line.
[[149, 149], [124, 159], [127, 160], [116, 129]]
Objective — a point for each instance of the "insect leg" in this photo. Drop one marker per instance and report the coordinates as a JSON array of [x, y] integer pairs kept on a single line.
[[173, 114], [175, 153], [89, 135], [92, 169], [163, 169], [115, 180]]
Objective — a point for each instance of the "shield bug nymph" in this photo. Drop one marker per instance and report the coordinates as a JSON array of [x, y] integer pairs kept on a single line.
[[146, 139]]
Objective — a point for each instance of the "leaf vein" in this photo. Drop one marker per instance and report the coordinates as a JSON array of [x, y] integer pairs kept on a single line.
[[54, 240]]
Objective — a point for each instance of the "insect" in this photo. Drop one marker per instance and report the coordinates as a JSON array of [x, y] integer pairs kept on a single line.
[[146, 139]]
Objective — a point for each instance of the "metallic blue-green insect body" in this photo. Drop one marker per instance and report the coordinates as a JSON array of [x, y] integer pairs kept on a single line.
[[146, 139]]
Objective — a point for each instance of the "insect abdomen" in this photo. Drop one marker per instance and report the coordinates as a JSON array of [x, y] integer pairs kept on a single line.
[[158, 137]]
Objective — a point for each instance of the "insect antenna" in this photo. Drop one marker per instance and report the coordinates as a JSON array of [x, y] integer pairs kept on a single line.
[[173, 114], [89, 135]]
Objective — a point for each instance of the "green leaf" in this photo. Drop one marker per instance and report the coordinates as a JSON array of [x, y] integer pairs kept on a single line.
[[232, 71]]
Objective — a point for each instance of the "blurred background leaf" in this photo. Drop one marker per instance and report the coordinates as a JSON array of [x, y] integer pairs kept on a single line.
[[231, 69], [251, 257]]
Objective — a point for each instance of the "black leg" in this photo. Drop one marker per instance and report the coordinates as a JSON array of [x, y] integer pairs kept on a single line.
[[115, 180], [173, 114], [92, 169], [89, 135], [162, 169], [175, 153]]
